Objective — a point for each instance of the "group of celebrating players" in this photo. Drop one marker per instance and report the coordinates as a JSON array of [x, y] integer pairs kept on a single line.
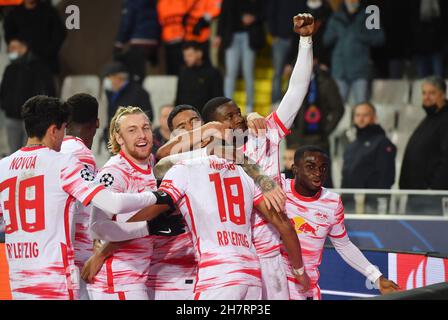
[[212, 219]]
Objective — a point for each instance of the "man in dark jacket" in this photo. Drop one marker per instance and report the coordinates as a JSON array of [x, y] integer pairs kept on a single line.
[[350, 64], [425, 162], [23, 78], [428, 35], [140, 30], [279, 23], [198, 81], [369, 161], [121, 91], [39, 24], [319, 115]]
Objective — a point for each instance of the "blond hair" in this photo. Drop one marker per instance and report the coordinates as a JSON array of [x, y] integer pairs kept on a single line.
[[114, 127]]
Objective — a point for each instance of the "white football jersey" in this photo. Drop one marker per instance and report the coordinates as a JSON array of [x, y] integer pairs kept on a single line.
[[216, 198], [265, 151], [83, 243], [38, 187], [128, 268], [313, 219]]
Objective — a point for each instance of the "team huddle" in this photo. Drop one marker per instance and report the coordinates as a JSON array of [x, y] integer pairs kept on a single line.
[[208, 217]]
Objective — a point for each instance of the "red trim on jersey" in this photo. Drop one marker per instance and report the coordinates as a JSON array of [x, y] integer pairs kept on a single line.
[[279, 122], [121, 295], [26, 149], [302, 198], [109, 275], [194, 233], [257, 201], [74, 138], [339, 236], [92, 195], [64, 255], [196, 296], [68, 203], [136, 167], [88, 161]]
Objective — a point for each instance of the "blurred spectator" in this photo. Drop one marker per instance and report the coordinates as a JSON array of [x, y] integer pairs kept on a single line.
[[171, 15], [288, 161], [187, 20], [279, 19], [319, 115], [39, 24], [390, 59], [347, 32], [23, 78], [198, 81], [161, 134], [197, 21], [240, 33], [121, 91], [428, 34], [321, 11], [140, 30], [425, 162], [369, 161]]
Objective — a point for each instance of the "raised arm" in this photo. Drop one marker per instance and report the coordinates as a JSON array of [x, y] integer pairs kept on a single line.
[[301, 75], [290, 240]]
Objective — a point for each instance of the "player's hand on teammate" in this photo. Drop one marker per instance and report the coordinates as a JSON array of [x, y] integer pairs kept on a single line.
[[275, 198], [256, 123], [92, 266], [387, 286], [215, 129], [304, 24], [304, 280]]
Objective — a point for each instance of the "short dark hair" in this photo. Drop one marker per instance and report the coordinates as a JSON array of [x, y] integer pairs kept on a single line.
[[208, 112], [40, 112], [366, 103], [83, 108], [301, 151], [192, 45], [178, 109]]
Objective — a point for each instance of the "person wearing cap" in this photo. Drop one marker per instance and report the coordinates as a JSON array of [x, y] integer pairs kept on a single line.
[[25, 77]]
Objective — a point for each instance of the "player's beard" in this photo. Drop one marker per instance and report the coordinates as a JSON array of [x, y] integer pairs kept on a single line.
[[139, 154]]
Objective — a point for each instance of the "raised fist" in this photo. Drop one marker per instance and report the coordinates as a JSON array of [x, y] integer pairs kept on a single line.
[[304, 24]]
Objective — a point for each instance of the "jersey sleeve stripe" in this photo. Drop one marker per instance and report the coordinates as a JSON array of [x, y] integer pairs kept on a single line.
[[339, 236], [71, 174], [92, 194], [277, 120]]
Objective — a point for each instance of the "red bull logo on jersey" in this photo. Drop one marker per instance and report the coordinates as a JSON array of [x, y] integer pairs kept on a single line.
[[301, 226]]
